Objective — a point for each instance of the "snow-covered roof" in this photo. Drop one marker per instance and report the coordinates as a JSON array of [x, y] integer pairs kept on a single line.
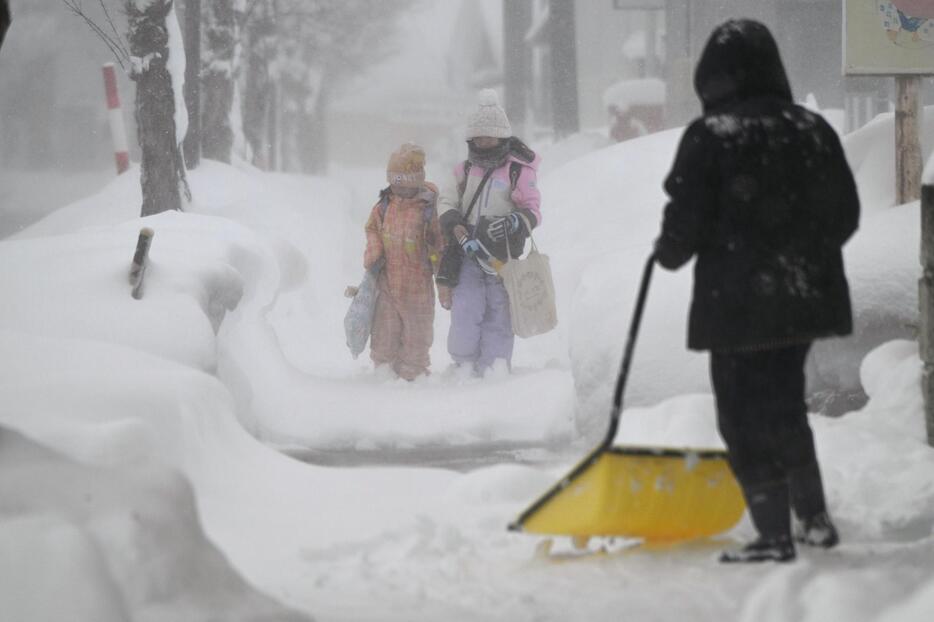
[[639, 92]]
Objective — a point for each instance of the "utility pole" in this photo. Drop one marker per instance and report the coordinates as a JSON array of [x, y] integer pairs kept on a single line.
[[517, 18], [563, 67]]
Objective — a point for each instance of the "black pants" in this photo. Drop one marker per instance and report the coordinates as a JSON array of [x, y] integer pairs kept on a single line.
[[761, 412]]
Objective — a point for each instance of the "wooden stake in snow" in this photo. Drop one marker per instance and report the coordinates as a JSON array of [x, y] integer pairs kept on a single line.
[[907, 140], [926, 303], [140, 259], [115, 112]]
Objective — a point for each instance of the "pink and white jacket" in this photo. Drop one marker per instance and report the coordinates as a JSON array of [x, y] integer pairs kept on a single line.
[[498, 197]]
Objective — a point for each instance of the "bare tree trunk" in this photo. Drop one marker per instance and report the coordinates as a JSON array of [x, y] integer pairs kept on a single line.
[[517, 63], [299, 88], [162, 166], [218, 79], [4, 19], [192, 144], [273, 128], [564, 67], [258, 87], [292, 92], [314, 136]]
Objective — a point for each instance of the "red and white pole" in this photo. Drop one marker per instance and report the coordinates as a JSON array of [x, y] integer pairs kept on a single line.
[[117, 128]]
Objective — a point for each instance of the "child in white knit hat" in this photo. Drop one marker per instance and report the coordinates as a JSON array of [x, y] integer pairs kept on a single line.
[[491, 201]]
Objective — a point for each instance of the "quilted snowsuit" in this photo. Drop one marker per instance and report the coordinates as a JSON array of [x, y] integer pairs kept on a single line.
[[403, 326]]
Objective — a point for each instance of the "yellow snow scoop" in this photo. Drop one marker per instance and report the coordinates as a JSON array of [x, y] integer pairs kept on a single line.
[[658, 494]]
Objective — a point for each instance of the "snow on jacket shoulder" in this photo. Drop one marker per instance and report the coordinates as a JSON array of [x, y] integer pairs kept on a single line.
[[761, 193]]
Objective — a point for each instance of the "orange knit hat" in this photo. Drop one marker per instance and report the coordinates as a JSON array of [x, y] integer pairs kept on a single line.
[[406, 166]]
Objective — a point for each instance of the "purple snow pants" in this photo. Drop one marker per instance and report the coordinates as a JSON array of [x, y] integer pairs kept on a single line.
[[481, 329]]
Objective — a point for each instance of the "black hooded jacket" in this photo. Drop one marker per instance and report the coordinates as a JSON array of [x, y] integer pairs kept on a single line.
[[761, 192]]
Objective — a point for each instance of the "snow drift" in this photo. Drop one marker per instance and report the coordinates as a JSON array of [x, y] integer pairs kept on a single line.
[[143, 404], [604, 212]]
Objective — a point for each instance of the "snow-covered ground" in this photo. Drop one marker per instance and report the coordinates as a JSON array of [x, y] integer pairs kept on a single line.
[[140, 478]]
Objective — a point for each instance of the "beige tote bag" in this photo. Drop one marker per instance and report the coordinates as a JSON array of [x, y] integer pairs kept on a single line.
[[531, 291]]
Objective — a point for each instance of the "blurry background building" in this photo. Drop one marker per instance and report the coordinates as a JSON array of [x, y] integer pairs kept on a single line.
[[617, 68]]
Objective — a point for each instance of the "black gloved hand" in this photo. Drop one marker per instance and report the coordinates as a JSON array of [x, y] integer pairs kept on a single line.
[[499, 228]]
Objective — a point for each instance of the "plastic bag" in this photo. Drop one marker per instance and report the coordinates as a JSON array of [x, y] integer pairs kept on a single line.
[[359, 318]]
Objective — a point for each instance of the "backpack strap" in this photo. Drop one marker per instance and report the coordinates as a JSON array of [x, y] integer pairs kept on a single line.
[[462, 186], [515, 169], [383, 202], [476, 194], [383, 206]]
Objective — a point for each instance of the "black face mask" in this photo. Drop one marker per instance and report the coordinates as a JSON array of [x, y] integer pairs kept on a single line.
[[490, 157]]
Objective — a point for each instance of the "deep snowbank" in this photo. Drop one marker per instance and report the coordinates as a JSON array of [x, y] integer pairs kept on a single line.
[[93, 544], [127, 389], [877, 473], [877, 470], [280, 249], [114, 382], [603, 213]]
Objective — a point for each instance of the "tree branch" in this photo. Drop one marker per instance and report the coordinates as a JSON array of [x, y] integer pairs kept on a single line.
[[115, 47], [113, 28]]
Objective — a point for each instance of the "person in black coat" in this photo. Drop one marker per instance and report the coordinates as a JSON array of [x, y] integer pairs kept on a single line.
[[761, 193]]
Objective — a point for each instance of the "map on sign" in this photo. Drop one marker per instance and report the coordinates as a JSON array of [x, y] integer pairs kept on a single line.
[[888, 37]]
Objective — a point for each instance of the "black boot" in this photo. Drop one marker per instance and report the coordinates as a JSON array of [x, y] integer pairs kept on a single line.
[[817, 531], [814, 526], [769, 508], [761, 550]]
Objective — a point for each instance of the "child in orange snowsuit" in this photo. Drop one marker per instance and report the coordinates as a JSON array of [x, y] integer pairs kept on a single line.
[[403, 231]]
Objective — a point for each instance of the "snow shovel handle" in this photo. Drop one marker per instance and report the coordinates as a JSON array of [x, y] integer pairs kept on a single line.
[[628, 352]]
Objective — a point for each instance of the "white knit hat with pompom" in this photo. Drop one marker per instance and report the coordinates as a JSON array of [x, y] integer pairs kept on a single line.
[[489, 119]]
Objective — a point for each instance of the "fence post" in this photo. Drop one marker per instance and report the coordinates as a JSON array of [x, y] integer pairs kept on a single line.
[[115, 115], [140, 259], [926, 304], [907, 139]]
